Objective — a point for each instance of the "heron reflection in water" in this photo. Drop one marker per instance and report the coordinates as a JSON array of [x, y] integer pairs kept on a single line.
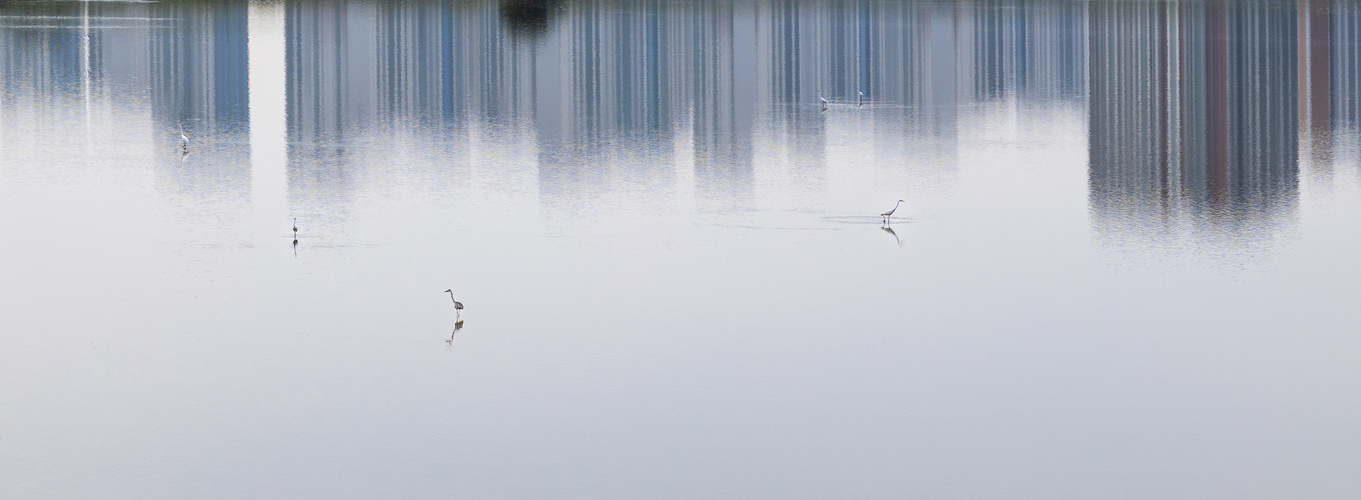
[[457, 326], [887, 215], [458, 306]]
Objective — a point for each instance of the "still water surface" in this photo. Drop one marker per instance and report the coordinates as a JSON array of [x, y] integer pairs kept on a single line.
[[1127, 265]]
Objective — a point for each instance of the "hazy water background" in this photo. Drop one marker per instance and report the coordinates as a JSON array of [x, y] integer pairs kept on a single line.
[[1127, 266]]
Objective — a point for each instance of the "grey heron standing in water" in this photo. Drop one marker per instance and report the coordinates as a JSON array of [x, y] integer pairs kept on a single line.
[[458, 306], [889, 213]]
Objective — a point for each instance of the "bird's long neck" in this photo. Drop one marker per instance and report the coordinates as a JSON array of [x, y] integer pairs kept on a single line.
[[451, 297]]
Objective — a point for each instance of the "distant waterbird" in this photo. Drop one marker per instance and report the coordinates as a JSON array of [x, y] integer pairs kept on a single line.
[[823, 100], [889, 213], [184, 140], [861, 99], [458, 306], [295, 229]]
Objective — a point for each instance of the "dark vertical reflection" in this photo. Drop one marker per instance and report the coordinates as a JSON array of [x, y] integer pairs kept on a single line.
[[606, 88], [1330, 34], [199, 67], [46, 57], [332, 72], [190, 59], [724, 99], [1344, 62], [112, 66], [1195, 107]]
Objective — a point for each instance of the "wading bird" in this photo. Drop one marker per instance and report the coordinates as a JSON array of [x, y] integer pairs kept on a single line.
[[184, 140], [824, 101], [861, 101], [295, 228], [458, 306], [889, 213]]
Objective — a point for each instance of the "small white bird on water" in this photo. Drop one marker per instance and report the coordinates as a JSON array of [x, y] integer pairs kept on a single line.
[[458, 306], [889, 213], [824, 101], [861, 102], [184, 140]]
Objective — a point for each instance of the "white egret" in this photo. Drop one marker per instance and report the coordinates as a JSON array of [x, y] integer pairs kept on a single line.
[[184, 140], [458, 306], [861, 101], [824, 101], [889, 213]]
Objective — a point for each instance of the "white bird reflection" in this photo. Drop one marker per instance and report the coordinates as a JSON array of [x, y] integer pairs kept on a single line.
[[890, 230]]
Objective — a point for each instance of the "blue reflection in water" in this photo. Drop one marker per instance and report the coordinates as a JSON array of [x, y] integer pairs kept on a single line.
[[1199, 118], [1193, 106]]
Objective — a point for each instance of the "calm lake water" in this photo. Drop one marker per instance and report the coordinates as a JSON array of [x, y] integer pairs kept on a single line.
[[1128, 264]]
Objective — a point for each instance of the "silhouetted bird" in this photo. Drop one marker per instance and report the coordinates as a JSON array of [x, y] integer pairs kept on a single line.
[[458, 306]]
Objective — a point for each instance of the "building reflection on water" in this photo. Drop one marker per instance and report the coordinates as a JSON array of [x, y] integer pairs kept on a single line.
[[1202, 108], [134, 72], [1193, 101], [1191, 106]]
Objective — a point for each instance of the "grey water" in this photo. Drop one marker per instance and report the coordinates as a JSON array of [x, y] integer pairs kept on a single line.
[[1128, 264]]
